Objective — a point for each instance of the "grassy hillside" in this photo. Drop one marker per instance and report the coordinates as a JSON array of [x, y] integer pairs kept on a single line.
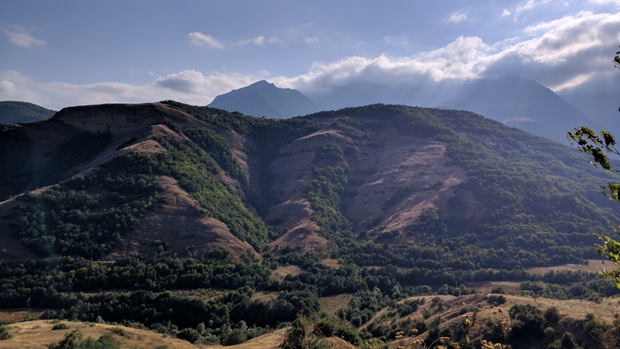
[[254, 223]]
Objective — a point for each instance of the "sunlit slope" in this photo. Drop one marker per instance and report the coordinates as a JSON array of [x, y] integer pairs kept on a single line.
[[124, 179]]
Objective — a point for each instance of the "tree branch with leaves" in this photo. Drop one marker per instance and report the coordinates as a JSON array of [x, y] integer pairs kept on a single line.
[[599, 146]]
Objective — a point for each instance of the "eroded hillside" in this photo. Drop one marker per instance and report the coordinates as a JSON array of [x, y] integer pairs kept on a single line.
[[216, 180]]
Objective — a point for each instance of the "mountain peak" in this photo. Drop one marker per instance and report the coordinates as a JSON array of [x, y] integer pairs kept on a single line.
[[263, 98], [263, 83]]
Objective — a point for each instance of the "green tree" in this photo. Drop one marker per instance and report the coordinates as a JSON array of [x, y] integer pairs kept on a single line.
[[295, 336], [599, 146]]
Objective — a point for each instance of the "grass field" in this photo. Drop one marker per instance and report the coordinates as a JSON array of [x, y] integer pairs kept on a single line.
[[592, 266], [332, 304], [38, 334], [283, 271]]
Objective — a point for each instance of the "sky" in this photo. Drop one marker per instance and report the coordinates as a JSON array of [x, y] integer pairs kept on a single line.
[[64, 53]]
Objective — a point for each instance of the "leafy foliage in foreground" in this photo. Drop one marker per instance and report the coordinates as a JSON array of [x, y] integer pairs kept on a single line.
[[598, 147]]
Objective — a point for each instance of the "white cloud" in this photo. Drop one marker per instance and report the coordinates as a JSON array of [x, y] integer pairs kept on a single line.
[[257, 41], [529, 5], [312, 40], [8, 89], [200, 39], [19, 36], [523, 7], [606, 2], [560, 40], [274, 40], [457, 17], [562, 54], [188, 86]]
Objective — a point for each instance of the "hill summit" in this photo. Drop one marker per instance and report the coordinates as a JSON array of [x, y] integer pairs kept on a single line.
[[13, 112], [265, 99]]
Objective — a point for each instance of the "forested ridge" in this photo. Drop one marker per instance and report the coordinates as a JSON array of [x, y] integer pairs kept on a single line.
[[451, 198]]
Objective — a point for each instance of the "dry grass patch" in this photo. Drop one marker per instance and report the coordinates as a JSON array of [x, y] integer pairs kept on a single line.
[[575, 308], [39, 334], [265, 296], [332, 263], [282, 272], [450, 309], [489, 286], [332, 304], [592, 266], [267, 341], [202, 294], [18, 315]]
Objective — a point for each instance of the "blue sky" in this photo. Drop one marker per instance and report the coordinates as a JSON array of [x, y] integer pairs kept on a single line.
[[62, 53]]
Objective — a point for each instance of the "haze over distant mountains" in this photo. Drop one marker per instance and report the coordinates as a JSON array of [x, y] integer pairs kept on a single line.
[[512, 100]]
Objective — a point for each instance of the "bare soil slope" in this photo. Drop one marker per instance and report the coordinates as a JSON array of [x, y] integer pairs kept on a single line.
[[184, 225]]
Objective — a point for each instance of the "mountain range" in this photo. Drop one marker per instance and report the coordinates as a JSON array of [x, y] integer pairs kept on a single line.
[[213, 179], [512, 100]]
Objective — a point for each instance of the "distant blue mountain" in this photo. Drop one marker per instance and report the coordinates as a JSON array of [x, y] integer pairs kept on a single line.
[[265, 99], [12, 112], [521, 103], [512, 100]]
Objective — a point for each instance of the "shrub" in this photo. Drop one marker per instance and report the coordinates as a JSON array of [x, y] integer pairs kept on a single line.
[[237, 336], [551, 315], [426, 313], [495, 299], [189, 334], [549, 333], [4, 332], [60, 326]]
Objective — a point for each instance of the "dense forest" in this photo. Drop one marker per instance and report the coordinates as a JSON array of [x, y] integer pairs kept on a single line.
[[535, 206]]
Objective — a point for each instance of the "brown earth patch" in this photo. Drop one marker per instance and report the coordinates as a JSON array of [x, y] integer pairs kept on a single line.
[[339, 343], [265, 296], [489, 286], [291, 176], [332, 263], [304, 237], [399, 178], [149, 146], [283, 271], [332, 304], [183, 225]]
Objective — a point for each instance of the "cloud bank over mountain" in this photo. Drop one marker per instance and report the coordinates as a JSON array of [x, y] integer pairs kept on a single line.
[[567, 48]]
